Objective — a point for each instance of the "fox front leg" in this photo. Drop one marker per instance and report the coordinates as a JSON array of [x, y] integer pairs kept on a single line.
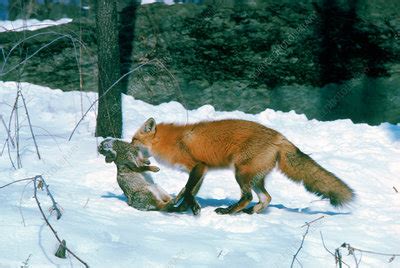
[[179, 196], [195, 177]]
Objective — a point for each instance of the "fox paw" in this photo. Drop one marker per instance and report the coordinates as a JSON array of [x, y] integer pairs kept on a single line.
[[196, 208], [222, 211], [249, 210]]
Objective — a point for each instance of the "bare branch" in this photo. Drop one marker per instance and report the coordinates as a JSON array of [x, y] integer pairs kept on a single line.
[[37, 51], [105, 92], [30, 124], [7, 130], [39, 182], [301, 246], [39, 177], [9, 155], [16, 129], [348, 246], [27, 179], [330, 252], [317, 219], [308, 224], [338, 257], [55, 206]]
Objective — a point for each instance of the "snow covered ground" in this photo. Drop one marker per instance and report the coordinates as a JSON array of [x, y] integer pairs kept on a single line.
[[168, 2], [30, 25], [100, 228]]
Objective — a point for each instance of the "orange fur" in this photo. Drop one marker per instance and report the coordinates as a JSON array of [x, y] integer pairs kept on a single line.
[[251, 148]]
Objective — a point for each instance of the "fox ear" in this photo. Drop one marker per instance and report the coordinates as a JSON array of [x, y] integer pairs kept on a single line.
[[149, 126]]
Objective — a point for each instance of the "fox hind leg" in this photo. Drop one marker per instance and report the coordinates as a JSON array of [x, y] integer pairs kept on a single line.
[[263, 196], [265, 164], [244, 200], [244, 181]]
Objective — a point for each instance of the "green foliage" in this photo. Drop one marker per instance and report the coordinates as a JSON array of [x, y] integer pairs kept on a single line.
[[55, 65], [260, 47]]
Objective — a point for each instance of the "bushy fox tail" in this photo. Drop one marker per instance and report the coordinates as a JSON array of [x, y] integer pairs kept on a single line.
[[299, 167]]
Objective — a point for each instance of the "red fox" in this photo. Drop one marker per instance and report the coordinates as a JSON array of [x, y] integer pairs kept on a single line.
[[252, 149]]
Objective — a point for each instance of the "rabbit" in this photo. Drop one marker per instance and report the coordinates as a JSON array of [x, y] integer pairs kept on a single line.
[[132, 178]]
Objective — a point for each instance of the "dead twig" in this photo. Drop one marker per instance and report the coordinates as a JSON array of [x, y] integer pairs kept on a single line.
[[9, 155], [16, 128], [105, 92], [39, 183], [301, 246], [13, 111], [352, 249], [30, 124], [14, 121], [55, 206], [395, 189], [35, 183], [86, 203], [2, 72], [25, 264], [179, 95], [338, 257], [27, 179], [317, 219], [308, 224], [7, 130], [330, 252]]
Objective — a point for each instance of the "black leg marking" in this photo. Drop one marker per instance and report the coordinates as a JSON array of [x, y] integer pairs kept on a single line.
[[246, 198], [249, 210], [195, 178]]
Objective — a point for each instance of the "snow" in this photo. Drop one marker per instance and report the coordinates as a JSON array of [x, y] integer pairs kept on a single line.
[[104, 231], [167, 2], [30, 24]]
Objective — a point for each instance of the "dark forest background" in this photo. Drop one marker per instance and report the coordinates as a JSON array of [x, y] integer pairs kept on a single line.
[[327, 59]]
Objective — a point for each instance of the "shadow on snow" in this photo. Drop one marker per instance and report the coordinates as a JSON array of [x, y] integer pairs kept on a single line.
[[121, 197], [209, 202], [226, 202], [393, 131]]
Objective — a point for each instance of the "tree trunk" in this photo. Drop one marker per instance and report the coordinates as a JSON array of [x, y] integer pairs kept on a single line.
[[109, 117], [126, 36]]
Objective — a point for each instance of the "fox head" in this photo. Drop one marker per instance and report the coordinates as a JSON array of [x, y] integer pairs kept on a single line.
[[122, 153], [145, 135]]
